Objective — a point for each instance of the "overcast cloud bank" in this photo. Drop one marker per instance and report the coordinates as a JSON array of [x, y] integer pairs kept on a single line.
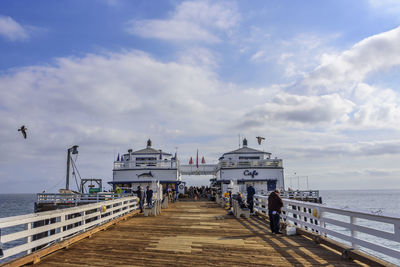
[[325, 115]]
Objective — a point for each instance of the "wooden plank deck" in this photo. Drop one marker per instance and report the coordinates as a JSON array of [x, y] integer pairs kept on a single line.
[[194, 234]]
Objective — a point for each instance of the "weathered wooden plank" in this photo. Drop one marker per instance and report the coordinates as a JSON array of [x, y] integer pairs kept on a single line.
[[194, 234]]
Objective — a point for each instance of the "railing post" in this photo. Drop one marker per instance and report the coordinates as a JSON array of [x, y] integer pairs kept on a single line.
[[29, 239], [353, 221], [62, 221], [397, 230], [1, 246]]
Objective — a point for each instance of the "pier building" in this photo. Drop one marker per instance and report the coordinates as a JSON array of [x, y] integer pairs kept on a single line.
[[248, 166], [244, 166], [145, 166]]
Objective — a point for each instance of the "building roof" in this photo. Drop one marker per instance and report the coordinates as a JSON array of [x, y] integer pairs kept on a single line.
[[246, 150]]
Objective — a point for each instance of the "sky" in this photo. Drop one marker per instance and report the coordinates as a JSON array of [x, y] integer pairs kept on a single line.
[[318, 79]]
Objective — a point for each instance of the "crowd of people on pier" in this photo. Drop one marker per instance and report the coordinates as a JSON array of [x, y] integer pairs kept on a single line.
[[196, 193]]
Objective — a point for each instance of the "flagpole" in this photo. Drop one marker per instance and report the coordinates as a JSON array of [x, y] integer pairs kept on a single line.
[[197, 159]]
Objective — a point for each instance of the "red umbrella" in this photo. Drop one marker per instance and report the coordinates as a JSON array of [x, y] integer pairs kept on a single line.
[[191, 161], [203, 161]]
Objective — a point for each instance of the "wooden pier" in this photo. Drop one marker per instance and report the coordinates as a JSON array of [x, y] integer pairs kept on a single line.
[[194, 234]]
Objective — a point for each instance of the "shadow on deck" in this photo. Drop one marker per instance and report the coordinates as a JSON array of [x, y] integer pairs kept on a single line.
[[194, 234]]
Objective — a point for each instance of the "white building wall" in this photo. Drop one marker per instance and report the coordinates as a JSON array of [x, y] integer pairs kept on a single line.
[[132, 175], [264, 174]]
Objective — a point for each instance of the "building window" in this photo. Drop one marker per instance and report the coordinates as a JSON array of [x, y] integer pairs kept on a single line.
[[248, 158]]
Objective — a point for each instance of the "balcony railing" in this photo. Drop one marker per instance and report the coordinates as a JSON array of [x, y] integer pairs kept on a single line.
[[251, 163], [137, 164]]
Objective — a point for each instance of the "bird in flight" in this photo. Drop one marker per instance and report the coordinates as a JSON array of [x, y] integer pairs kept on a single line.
[[23, 130], [260, 139]]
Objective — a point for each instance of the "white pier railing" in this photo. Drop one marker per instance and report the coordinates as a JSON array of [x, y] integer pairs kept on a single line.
[[358, 228], [20, 235], [55, 198], [306, 195]]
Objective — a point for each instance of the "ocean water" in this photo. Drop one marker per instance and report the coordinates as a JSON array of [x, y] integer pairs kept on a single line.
[[380, 202], [372, 201], [16, 204], [375, 201]]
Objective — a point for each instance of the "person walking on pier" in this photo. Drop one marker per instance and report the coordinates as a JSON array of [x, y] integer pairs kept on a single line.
[[140, 193], [250, 194], [149, 196], [275, 205]]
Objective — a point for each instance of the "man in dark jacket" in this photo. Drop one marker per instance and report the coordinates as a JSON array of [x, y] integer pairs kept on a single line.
[[275, 205], [140, 194], [149, 196], [250, 194]]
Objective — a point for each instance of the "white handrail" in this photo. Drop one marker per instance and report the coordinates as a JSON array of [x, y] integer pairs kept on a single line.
[[56, 198], [18, 232], [315, 217]]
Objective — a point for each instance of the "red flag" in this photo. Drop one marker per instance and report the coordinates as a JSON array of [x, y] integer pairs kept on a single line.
[[203, 161], [191, 161], [197, 159]]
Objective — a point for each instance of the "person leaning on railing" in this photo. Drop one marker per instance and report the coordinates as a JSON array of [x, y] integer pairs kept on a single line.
[[250, 195], [140, 193], [275, 205], [149, 196]]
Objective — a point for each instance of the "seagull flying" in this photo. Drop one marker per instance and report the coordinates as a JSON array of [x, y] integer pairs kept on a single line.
[[260, 139], [23, 130]]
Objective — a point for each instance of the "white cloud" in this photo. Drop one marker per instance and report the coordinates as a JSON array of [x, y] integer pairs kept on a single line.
[[12, 30], [388, 6], [199, 56], [105, 103], [109, 103], [379, 52], [296, 110], [258, 55], [347, 74], [295, 56], [364, 149], [112, 100], [190, 21], [171, 30]]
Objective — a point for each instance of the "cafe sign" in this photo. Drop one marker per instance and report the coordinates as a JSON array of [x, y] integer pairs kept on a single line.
[[250, 173]]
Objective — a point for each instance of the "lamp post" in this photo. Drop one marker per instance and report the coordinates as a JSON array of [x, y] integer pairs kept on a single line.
[[73, 150]]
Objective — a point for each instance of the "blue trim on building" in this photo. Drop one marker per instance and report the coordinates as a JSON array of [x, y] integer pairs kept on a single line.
[[142, 181], [245, 180]]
